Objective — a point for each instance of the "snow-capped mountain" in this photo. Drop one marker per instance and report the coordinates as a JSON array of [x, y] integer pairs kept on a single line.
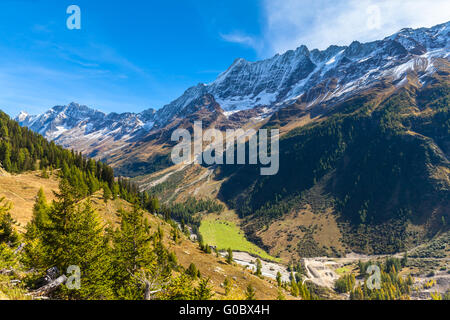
[[286, 77], [312, 77], [74, 124]]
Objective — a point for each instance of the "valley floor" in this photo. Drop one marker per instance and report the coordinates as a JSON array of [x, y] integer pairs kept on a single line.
[[324, 271]]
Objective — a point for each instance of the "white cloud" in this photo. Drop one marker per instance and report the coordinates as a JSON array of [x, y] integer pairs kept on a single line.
[[243, 39], [320, 23]]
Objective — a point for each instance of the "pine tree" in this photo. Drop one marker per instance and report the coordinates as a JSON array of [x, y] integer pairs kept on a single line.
[[153, 205], [4, 132], [7, 232], [280, 296], [230, 256], [258, 268], [192, 271], [179, 288], [393, 286], [106, 193], [133, 253], [250, 293], [294, 286], [279, 278], [73, 236], [203, 291], [115, 191], [44, 174], [228, 285], [6, 159], [40, 220], [90, 251], [175, 233], [304, 292]]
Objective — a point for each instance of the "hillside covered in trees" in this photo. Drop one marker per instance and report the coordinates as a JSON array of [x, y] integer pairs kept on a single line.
[[22, 150], [67, 239], [378, 161]]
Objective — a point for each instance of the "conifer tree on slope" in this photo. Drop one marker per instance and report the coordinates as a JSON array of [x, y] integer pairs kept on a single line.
[[40, 218], [7, 232], [74, 237], [133, 254]]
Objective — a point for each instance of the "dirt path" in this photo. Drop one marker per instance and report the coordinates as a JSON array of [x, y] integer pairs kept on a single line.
[[205, 175], [151, 184]]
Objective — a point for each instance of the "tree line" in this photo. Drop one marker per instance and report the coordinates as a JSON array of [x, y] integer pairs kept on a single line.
[[23, 150]]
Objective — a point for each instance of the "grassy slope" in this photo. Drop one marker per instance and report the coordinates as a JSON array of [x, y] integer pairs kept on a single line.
[[188, 252], [226, 234], [303, 233], [372, 169], [221, 230], [22, 189]]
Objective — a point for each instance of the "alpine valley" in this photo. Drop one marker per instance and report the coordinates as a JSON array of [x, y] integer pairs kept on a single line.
[[364, 156]]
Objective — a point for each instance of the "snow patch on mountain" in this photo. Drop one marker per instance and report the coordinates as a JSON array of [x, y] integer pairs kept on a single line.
[[315, 76]]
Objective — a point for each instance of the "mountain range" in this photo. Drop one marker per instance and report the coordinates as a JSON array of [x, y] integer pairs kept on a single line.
[[256, 90], [364, 148]]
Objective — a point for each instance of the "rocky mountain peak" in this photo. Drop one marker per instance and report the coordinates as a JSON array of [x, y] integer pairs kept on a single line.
[[311, 76]]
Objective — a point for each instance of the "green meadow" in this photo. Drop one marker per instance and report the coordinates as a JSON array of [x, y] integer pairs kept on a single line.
[[226, 234]]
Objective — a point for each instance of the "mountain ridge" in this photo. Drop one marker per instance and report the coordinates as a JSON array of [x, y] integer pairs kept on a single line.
[[298, 81]]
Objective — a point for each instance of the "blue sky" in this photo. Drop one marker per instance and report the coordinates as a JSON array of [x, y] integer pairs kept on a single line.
[[136, 54]]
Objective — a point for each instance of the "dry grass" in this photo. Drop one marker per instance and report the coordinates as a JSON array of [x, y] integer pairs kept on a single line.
[[22, 189], [283, 235], [217, 270], [188, 252]]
